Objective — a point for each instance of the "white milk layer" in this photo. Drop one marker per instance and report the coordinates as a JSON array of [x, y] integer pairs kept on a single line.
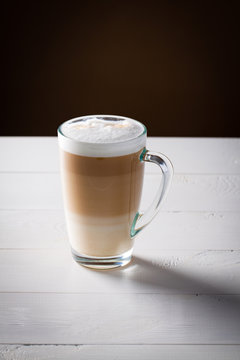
[[102, 136], [99, 237]]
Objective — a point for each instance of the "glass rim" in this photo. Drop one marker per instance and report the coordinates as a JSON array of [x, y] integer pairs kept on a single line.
[[111, 117]]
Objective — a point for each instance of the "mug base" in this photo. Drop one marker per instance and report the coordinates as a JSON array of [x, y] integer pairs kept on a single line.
[[103, 263]]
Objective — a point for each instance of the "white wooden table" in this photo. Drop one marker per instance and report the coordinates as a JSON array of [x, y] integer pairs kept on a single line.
[[179, 298]]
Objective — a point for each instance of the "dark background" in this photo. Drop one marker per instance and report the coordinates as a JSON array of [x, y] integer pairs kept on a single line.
[[169, 64]]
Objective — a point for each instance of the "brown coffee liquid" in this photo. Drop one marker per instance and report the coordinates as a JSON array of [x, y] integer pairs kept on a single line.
[[102, 196]]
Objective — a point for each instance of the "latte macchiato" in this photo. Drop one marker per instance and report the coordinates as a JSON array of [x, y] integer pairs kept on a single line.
[[102, 178], [102, 169]]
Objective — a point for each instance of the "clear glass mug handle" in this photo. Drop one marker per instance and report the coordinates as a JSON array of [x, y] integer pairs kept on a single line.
[[143, 219]]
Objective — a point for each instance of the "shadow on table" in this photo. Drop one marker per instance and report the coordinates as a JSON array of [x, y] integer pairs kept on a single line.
[[157, 278]]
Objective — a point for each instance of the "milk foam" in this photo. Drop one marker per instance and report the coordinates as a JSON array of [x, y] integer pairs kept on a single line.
[[102, 135], [95, 130]]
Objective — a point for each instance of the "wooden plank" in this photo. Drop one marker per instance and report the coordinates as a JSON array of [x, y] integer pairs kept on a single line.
[[200, 155], [32, 229], [169, 230], [29, 154], [30, 191], [189, 155], [124, 352], [192, 230], [162, 272], [188, 192], [119, 319]]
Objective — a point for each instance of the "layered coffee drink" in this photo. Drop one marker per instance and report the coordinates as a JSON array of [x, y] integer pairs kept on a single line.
[[102, 177]]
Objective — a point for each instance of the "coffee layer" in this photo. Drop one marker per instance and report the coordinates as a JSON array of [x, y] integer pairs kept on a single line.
[[101, 196], [102, 187]]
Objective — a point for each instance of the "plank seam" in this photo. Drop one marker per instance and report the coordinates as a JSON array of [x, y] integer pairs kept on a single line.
[[122, 344], [122, 293]]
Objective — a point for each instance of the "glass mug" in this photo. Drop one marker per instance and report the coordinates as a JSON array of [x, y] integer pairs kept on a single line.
[[102, 186]]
